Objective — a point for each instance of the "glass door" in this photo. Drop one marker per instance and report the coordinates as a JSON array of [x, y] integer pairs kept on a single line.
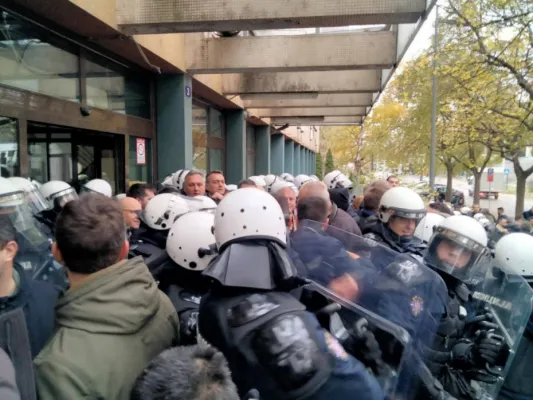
[[75, 156], [85, 163]]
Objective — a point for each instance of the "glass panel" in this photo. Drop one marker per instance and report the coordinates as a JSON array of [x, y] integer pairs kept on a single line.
[[216, 159], [86, 166], [250, 163], [9, 155], [31, 59], [111, 88], [140, 173], [107, 165], [199, 161], [250, 137], [60, 155], [217, 123], [38, 161]]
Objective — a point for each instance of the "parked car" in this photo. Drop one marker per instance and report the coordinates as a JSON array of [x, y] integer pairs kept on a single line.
[[458, 197]]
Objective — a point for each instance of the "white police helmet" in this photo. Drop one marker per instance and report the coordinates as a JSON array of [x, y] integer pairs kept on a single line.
[[269, 181], [425, 229], [162, 210], [465, 245], [287, 177], [190, 241], [34, 197], [513, 254], [58, 193], [249, 213], [401, 202], [258, 180], [336, 179], [98, 186], [201, 203], [301, 180], [178, 178]]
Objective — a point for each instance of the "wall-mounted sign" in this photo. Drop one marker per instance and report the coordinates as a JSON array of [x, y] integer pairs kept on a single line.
[[141, 151], [188, 91]]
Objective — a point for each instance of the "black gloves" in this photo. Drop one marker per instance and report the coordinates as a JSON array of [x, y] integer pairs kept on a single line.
[[487, 348]]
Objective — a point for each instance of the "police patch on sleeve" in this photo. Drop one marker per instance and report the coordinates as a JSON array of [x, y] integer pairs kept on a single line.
[[335, 347], [417, 305]]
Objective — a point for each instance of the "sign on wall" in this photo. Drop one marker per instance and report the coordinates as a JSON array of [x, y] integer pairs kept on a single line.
[[141, 151]]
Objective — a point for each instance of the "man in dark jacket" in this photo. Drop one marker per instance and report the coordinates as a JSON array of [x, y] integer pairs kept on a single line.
[[367, 216], [338, 218]]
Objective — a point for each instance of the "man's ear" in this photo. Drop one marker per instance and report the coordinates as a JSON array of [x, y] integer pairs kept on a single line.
[[124, 250], [10, 250], [57, 254]]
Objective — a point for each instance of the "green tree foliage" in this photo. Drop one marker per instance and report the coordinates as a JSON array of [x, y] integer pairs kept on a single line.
[[330, 163], [491, 42], [319, 165]]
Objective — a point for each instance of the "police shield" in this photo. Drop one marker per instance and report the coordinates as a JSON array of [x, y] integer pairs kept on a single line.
[[393, 296], [502, 307]]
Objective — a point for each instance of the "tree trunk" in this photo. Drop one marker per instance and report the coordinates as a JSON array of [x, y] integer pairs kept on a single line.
[[449, 181], [477, 184], [521, 176], [520, 194]]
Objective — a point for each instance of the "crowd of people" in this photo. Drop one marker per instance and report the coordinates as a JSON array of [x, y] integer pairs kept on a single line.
[[279, 287]]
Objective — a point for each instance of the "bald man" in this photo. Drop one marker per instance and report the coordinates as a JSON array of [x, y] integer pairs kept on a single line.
[[338, 218], [131, 210]]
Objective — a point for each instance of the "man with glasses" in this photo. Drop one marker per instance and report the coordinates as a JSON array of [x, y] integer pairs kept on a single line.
[[131, 209]]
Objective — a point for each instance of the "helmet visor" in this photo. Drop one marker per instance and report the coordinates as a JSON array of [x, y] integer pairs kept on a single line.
[[14, 207], [63, 197], [455, 254], [36, 201]]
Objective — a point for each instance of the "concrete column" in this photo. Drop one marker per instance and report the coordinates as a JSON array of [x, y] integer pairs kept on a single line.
[[174, 123], [262, 150], [277, 155], [235, 146], [303, 170], [289, 156], [297, 168], [313, 163]]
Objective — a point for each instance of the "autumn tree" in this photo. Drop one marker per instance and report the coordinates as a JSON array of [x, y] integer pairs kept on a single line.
[[319, 166], [493, 39], [330, 163]]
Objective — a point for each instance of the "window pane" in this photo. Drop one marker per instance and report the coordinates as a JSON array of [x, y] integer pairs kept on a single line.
[[250, 163], [31, 59], [109, 87], [60, 161], [199, 161], [250, 137], [38, 161], [139, 172], [9, 155], [217, 124], [216, 159]]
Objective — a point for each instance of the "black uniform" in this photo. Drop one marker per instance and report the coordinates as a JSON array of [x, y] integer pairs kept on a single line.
[[269, 339], [185, 289], [380, 233]]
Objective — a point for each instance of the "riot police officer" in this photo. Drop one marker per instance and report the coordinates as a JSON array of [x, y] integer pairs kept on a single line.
[[99, 186], [191, 246], [57, 194], [400, 211], [457, 252], [33, 245], [270, 341], [149, 241], [513, 252]]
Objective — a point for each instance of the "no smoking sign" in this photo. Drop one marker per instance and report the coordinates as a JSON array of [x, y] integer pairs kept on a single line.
[[141, 151]]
